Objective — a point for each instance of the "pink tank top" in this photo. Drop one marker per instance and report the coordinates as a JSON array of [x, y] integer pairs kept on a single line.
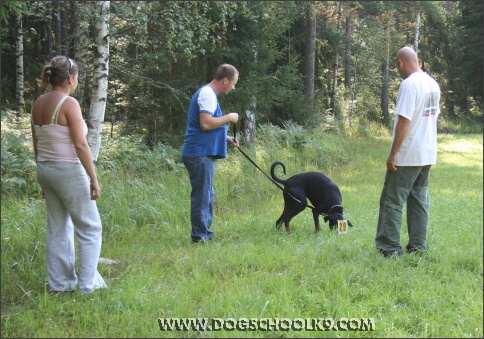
[[54, 142]]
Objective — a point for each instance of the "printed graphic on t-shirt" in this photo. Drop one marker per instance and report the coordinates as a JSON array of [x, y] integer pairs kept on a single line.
[[431, 104]]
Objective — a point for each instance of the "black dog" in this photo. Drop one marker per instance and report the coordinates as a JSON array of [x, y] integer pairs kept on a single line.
[[323, 193]]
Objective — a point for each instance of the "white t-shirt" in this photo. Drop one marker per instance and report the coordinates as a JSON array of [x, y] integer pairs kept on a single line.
[[418, 100]]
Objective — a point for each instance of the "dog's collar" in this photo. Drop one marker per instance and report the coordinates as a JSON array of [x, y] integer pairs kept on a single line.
[[328, 213]]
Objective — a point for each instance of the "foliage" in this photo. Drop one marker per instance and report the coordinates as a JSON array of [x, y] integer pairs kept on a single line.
[[472, 45], [263, 42], [155, 42], [464, 124], [291, 136], [17, 165], [161, 52], [131, 154]]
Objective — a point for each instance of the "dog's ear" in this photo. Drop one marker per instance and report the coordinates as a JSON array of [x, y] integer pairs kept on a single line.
[[326, 218]]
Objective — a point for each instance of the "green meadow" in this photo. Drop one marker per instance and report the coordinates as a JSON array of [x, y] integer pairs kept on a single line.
[[251, 269]]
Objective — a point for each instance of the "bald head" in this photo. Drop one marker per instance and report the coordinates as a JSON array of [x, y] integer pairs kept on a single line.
[[407, 62], [407, 54]]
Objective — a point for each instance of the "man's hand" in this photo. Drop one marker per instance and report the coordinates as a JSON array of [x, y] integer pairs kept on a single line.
[[392, 159], [233, 141]]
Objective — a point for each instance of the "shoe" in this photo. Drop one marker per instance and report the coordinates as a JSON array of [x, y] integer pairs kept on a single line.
[[60, 292], [414, 250], [387, 254], [201, 240]]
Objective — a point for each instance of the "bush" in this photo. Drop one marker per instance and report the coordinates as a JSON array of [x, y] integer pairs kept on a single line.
[[310, 149], [466, 125], [291, 136], [18, 169], [131, 154]]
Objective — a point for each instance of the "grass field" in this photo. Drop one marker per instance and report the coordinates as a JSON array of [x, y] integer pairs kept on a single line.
[[252, 270]]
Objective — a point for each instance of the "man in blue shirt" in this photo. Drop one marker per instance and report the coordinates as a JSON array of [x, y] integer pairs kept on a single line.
[[205, 141]]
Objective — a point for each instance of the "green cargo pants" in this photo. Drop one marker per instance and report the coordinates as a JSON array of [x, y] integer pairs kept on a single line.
[[410, 185]]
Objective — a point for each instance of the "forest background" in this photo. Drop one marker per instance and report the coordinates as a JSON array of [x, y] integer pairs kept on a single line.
[[309, 62]]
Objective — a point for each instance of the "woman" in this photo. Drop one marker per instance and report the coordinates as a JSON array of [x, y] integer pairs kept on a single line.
[[66, 172]]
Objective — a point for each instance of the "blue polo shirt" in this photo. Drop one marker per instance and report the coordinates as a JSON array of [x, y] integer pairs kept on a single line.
[[197, 141]]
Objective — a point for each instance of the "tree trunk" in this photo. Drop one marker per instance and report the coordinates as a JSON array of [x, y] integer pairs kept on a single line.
[[386, 80], [58, 27], [328, 97], [100, 78], [19, 54], [310, 55], [63, 28], [48, 45], [336, 67], [348, 46], [249, 122], [417, 33], [80, 46]]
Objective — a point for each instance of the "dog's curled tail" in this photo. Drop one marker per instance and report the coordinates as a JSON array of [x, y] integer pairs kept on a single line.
[[274, 165]]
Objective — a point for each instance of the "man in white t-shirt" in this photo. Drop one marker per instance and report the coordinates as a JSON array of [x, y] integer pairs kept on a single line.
[[413, 152]]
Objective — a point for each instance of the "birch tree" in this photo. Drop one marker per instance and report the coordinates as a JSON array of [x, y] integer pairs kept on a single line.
[[100, 78], [249, 125], [19, 54], [417, 33]]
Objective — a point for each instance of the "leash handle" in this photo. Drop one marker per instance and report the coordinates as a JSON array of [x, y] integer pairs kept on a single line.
[[235, 131]]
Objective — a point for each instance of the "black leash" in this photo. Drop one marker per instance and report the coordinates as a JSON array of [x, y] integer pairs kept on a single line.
[[268, 177], [253, 163], [272, 180], [275, 182]]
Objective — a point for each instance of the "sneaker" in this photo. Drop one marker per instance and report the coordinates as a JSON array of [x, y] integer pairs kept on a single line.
[[387, 254], [416, 251], [201, 240], [60, 292]]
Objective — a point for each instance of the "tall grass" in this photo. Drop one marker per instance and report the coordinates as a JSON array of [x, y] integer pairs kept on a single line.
[[252, 270]]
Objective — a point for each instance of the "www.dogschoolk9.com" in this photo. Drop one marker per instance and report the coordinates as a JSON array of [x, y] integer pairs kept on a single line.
[[266, 324]]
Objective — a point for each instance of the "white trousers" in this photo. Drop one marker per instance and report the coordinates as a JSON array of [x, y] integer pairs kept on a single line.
[[70, 211]]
